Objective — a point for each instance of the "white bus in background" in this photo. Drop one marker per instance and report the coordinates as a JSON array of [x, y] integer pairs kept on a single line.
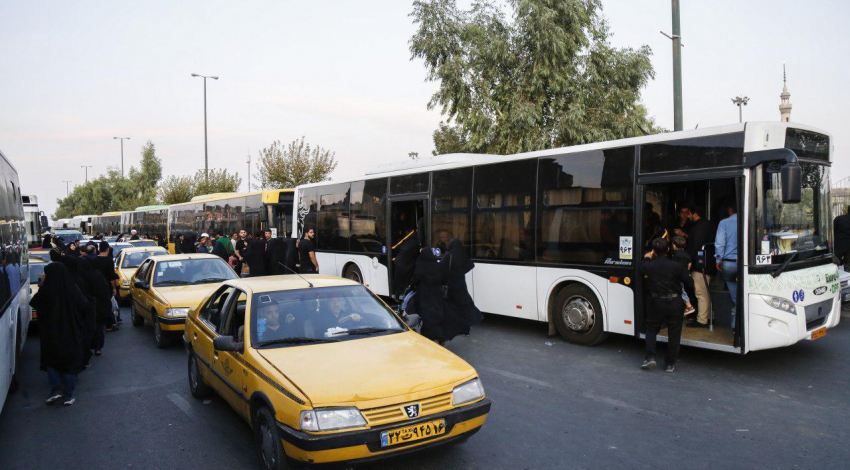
[[82, 223], [557, 235], [15, 314], [36, 221]]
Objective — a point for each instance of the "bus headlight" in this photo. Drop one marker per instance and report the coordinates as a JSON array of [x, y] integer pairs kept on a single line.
[[779, 303], [470, 391], [176, 312], [331, 419]]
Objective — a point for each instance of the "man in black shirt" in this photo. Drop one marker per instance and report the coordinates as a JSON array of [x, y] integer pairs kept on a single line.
[[700, 236], [841, 225], [239, 249], [307, 253], [664, 279]]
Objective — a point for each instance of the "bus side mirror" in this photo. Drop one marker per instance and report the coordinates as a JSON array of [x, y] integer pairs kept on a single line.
[[264, 216], [44, 226], [792, 183]]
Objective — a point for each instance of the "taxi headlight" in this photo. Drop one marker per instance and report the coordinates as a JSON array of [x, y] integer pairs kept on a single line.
[[780, 304], [470, 391], [330, 419], [125, 283], [176, 312]]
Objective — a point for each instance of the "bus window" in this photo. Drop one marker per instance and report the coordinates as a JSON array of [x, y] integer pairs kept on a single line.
[[503, 212]]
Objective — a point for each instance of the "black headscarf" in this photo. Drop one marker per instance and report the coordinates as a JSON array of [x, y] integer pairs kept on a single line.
[[460, 262], [60, 306]]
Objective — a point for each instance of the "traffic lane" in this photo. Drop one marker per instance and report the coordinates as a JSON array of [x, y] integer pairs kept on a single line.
[[594, 408], [133, 410]]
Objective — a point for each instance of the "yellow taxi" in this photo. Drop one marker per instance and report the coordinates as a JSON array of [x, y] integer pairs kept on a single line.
[[126, 264], [142, 243], [165, 287], [36, 266], [325, 372]]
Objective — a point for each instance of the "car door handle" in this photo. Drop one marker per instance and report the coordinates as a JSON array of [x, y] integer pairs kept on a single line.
[[195, 336]]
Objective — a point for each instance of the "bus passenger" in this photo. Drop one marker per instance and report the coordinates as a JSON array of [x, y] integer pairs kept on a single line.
[[682, 257]]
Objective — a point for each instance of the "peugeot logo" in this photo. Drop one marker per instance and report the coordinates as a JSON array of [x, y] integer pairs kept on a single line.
[[412, 411], [820, 290]]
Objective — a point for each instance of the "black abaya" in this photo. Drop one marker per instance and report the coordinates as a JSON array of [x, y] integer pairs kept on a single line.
[[60, 306], [429, 277], [460, 303]]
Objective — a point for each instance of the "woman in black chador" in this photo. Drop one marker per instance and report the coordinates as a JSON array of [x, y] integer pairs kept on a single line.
[[459, 303], [60, 306]]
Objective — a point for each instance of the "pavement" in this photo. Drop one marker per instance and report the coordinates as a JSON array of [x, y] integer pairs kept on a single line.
[[555, 406]]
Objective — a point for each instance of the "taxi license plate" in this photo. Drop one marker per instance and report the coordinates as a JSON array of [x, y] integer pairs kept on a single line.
[[819, 333], [413, 433]]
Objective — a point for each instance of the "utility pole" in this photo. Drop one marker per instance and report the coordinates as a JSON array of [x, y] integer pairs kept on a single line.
[[249, 172], [740, 101], [122, 139], [87, 171], [67, 187], [206, 152], [678, 116]]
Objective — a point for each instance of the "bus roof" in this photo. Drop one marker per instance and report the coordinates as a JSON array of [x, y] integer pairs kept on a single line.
[[761, 129], [156, 207]]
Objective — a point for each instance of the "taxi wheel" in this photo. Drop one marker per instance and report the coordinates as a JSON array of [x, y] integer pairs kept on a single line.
[[197, 385], [135, 318], [271, 449], [161, 337]]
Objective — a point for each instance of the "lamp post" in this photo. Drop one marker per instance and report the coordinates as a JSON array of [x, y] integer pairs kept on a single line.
[[87, 171], [676, 37], [67, 187], [122, 139], [206, 151], [740, 101], [249, 172]]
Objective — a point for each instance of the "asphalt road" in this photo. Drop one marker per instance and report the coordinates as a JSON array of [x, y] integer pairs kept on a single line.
[[555, 406]]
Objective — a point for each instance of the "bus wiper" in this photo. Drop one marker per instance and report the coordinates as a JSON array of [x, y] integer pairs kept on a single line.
[[365, 330], [296, 340], [788, 260], [172, 282]]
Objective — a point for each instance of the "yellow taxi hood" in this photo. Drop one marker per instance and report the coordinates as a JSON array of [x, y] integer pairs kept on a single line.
[[127, 273], [369, 368], [185, 296]]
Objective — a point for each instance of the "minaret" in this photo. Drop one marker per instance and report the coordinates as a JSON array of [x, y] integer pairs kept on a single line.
[[785, 105]]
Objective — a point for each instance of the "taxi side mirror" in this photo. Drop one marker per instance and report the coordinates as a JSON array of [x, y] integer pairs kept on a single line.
[[413, 320], [227, 343]]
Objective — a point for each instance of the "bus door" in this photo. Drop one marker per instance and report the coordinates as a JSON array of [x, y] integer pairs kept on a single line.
[[662, 212], [407, 231]]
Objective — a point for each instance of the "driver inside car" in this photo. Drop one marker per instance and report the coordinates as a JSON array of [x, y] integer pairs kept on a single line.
[[333, 314]]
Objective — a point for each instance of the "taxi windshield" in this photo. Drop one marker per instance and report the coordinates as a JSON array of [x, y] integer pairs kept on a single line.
[[192, 271], [134, 260], [316, 315]]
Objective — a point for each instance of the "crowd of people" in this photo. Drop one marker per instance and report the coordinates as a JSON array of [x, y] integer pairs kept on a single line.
[[679, 277], [76, 307]]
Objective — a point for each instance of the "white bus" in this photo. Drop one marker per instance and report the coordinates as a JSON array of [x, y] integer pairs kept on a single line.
[[557, 235], [36, 221], [15, 314]]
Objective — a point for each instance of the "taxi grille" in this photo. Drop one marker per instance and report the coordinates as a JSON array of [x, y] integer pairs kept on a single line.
[[393, 413]]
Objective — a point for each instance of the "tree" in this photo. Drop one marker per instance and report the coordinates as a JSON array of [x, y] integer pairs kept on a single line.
[[547, 77], [297, 163], [177, 189], [113, 192]]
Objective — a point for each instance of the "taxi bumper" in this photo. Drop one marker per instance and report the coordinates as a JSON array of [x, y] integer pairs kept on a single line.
[[171, 323], [365, 446]]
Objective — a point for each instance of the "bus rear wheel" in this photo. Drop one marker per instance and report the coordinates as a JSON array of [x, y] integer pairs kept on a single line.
[[578, 316], [353, 272]]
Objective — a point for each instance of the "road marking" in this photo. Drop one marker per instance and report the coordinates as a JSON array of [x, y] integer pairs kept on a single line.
[[181, 403], [511, 375]]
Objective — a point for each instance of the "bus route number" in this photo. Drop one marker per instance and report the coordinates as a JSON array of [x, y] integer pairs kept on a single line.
[[625, 247], [762, 260]]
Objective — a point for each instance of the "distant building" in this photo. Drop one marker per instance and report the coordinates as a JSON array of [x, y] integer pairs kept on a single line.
[[785, 104]]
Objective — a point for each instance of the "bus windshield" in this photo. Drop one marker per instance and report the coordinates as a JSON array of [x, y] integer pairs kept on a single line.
[[783, 229]]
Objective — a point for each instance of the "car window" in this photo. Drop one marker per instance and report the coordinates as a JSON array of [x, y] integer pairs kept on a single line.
[[36, 270], [318, 314], [192, 271], [212, 312], [233, 320], [134, 260], [141, 273]]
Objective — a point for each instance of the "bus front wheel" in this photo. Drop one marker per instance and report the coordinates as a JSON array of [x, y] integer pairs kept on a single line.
[[353, 273], [578, 315]]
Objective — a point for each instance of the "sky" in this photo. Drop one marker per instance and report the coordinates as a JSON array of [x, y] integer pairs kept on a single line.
[[75, 74]]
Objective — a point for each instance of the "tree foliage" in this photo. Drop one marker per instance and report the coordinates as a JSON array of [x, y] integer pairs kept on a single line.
[[545, 77], [295, 164], [177, 189], [112, 192]]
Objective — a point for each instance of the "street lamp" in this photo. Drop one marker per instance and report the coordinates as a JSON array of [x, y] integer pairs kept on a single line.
[[249, 172], [67, 187], [122, 152], [206, 152], [87, 171], [739, 101]]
